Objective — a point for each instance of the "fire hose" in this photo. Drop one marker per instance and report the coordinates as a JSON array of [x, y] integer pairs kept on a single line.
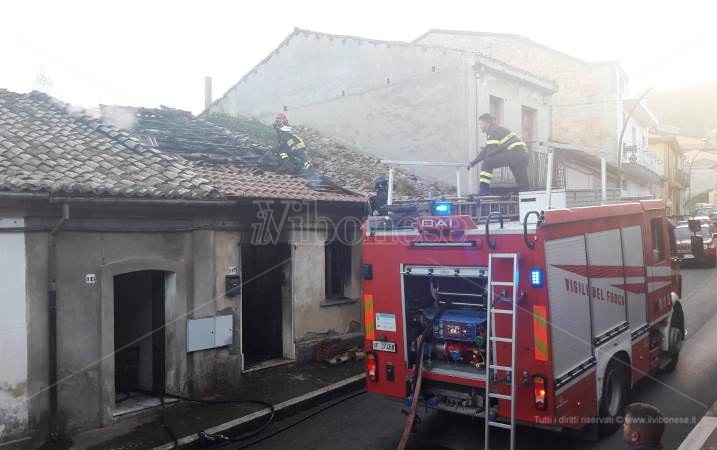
[[416, 394]]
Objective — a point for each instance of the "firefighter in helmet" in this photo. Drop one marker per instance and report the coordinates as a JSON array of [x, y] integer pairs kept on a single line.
[[377, 203], [503, 148], [291, 150]]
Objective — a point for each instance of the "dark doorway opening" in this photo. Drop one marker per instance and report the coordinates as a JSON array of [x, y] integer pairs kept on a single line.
[[139, 303], [265, 276]]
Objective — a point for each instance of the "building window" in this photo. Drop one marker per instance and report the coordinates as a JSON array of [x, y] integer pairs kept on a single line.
[[338, 270], [496, 109], [529, 124], [658, 240]]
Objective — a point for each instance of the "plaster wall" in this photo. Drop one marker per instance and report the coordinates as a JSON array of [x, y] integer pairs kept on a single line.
[[314, 315], [86, 316], [13, 336]]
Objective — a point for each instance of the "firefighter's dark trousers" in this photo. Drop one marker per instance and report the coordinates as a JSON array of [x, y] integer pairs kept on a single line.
[[517, 159]]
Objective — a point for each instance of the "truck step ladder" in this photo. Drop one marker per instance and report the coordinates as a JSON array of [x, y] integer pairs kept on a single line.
[[491, 353]]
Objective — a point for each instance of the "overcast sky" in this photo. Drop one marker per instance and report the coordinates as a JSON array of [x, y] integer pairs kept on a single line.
[[151, 52]]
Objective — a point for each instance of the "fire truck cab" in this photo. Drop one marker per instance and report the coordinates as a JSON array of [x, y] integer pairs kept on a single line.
[[548, 321]]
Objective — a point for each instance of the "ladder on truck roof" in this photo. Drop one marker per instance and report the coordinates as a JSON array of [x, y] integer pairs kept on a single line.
[[492, 368]]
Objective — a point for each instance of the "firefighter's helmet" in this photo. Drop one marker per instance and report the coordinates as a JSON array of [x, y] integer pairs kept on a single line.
[[380, 183], [280, 121]]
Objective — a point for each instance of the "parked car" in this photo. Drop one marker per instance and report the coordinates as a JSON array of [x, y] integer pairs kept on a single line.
[[683, 238]]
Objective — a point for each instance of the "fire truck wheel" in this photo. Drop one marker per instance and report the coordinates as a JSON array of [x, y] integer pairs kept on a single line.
[[614, 395], [676, 336]]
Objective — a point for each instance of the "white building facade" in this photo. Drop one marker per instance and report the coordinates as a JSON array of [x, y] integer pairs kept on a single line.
[[394, 100]]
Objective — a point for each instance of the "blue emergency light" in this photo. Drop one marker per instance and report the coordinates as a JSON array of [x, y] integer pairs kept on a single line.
[[441, 208], [536, 277]]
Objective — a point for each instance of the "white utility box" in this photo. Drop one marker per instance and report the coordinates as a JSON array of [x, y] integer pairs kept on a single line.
[[562, 198]]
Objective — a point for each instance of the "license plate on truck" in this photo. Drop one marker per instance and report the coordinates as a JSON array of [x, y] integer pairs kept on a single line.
[[382, 346]]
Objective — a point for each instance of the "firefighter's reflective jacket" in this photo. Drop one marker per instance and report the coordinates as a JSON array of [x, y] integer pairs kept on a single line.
[[292, 150], [499, 138]]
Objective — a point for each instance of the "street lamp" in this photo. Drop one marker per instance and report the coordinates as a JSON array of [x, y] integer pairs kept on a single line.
[[705, 141]]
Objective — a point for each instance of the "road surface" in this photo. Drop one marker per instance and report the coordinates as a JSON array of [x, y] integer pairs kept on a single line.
[[372, 422]]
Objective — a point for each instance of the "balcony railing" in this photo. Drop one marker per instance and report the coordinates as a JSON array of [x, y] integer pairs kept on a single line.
[[537, 173], [635, 154]]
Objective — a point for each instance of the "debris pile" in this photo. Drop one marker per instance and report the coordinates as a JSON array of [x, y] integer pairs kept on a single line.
[[355, 170], [349, 168]]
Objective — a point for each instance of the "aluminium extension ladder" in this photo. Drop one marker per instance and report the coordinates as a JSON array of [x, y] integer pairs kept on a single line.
[[492, 368]]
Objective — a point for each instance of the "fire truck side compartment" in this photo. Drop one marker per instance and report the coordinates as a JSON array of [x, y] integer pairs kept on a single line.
[[568, 300], [451, 301]]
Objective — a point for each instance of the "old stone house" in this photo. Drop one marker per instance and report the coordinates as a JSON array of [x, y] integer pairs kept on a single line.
[[395, 100], [137, 258]]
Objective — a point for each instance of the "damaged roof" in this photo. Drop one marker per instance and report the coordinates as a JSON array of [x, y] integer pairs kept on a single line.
[[237, 181], [47, 146], [179, 132]]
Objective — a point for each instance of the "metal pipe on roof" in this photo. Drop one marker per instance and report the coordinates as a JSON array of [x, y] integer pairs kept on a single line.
[[458, 182], [25, 195], [398, 162], [207, 92], [603, 179], [52, 320], [390, 186], [143, 201], [98, 200], [549, 178]]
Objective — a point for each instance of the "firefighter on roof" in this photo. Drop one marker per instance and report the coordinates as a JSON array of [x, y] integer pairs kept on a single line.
[[291, 150], [503, 148], [377, 203]]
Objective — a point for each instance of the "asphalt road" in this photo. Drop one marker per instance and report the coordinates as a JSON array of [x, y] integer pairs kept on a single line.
[[372, 422]]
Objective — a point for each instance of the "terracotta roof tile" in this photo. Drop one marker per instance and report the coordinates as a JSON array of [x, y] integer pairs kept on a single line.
[[256, 183], [48, 146]]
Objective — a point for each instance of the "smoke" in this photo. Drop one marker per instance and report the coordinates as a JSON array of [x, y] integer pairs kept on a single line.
[[120, 117]]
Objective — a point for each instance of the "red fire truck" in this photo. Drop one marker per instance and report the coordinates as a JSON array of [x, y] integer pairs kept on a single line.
[[547, 322]]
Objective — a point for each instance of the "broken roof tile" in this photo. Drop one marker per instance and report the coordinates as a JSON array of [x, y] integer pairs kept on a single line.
[[45, 143], [53, 147]]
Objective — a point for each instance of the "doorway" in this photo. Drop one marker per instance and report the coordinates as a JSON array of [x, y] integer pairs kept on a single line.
[[265, 294], [139, 337]]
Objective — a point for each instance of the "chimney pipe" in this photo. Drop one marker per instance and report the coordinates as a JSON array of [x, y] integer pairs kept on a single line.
[[207, 92]]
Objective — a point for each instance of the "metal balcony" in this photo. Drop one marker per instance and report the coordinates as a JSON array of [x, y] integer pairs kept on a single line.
[[639, 156], [537, 173]]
